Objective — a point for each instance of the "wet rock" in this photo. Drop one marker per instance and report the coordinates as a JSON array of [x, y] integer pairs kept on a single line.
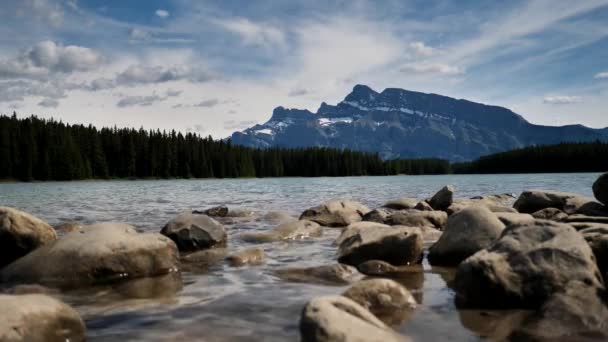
[[378, 215], [401, 203], [195, 232], [38, 318], [68, 227], [386, 299], [514, 218], [418, 218], [577, 314], [534, 200], [424, 206], [241, 213], [294, 230], [101, 253], [395, 245], [251, 256], [597, 238], [357, 227], [552, 214], [219, 211], [468, 231], [379, 268], [443, 199], [337, 274], [21, 233], [337, 318], [600, 188], [200, 261], [525, 267], [164, 286], [336, 213], [277, 217], [493, 325]]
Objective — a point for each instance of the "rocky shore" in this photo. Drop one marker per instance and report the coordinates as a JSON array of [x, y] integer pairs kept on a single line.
[[542, 253]]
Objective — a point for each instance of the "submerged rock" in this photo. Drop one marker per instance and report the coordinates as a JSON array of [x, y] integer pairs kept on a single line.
[[600, 188], [99, 254], [379, 268], [418, 218], [395, 245], [443, 199], [200, 261], [337, 274], [468, 231], [386, 299], [337, 318], [401, 203], [195, 232], [336, 213], [294, 230], [378, 215], [552, 214], [219, 211], [38, 318], [534, 200], [277, 217], [525, 267], [21, 233], [251, 256]]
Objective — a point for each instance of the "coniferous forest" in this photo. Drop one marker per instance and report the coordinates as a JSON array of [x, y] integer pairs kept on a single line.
[[37, 149]]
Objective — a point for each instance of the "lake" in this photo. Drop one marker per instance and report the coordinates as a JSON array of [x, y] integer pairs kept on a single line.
[[221, 303]]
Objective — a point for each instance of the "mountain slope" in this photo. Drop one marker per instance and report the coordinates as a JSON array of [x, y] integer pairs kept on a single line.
[[406, 124]]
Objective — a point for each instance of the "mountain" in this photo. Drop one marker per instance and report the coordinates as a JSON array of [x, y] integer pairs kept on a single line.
[[399, 123]]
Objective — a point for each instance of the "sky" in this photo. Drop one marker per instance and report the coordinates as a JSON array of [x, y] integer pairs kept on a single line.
[[214, 67]]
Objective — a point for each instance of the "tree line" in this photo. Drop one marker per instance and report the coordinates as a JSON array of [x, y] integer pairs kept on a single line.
[[32, 148]]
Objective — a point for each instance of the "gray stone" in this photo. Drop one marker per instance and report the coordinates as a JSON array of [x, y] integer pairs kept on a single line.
[[552, 214], [336, 213], [525, 267], [195, 232], [293, 230], [379, 268], [395, 245], [418, 218], [337, 274], [355, 228], [424, 206], [468, 231], [378, 215], [251, 256], [219, 211], [443, 199], [600, 188], [534, 200], [401, 203], [101, 253], [38, 318], [21, 233]]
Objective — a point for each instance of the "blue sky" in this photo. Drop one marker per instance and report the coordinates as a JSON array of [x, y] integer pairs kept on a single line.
[[217, 66]]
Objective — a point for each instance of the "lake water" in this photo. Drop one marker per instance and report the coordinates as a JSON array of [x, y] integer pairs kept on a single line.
[[222, 303]]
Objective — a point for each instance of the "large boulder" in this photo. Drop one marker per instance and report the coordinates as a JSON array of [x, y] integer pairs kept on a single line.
[[101, 253], [192, 232], [337, 318], [600, 188], [401, 203], [336, 213], [525, 267], [387, 299], [496, 203], [292, 230], [418, 218], [469, 231], [21, 233], [379, 215], [395, 245], [534, 200], [38, 318], [597, 238], [357, 227], [443, 199], [337, 274]]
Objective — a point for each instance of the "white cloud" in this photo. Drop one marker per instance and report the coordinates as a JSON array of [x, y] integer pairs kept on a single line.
[[208, 103], [253, 34], [18, 90], [139, 74], [431, 68], [562, 99], [601, 75], [136, 34], [421, 50], [137, 100], [49, 103], [162, 13]]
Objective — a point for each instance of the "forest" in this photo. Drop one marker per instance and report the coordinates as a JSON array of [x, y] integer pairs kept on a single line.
[[32, 148]]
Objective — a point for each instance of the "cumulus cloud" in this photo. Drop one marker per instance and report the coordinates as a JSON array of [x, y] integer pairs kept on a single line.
[[18, 90], [561, 99], [252, 33], [601, 76], [422, 50], [49, 103], [432, 68], [162, 13]]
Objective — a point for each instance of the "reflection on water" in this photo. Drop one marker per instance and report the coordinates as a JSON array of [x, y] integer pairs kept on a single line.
[[215, 302]]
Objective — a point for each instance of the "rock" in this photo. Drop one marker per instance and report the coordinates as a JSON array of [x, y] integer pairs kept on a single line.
[[552, 214], [600, 188], [534, 200], [395, 245], [585, 219], [251, 256], [219, 211], [584, 206], [21, 233], [68, 227], [240, 213], [336, 213], [31, 289], [424, 206], [337, 318], [502, 200], [525, 267], [597, 238], [337, 274], [492, 325], [584, 225], [401, 203], [430, 235], [386, 299], [38, 318], [577, 314], [443, 199], [195, 232], [378, 215], [379, 268], [468, 231], [496, 203], [201, 261], [101, 253], [357, 227], [418, 218], [277, 217], [514, 218], [294, 230]]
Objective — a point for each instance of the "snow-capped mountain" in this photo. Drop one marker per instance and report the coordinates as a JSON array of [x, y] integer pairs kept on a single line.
[[401, 123]]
